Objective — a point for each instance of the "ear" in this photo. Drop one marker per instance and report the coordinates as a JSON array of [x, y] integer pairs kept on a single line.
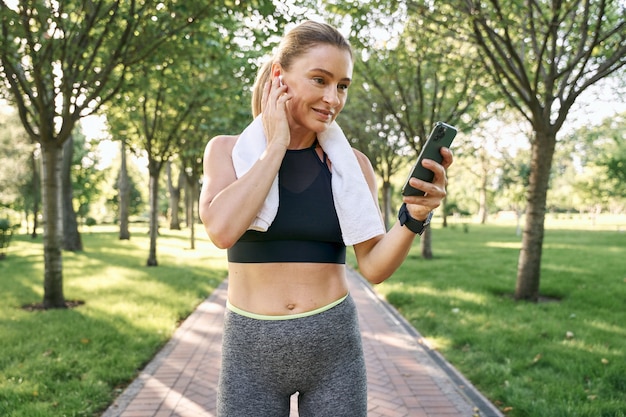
[[277, 70]]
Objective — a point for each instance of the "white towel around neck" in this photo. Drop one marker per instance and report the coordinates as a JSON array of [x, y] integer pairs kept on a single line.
[[356, 209]]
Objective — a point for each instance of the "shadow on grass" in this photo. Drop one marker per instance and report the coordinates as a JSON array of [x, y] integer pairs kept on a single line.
[[70, 362], [573, 346], [18, 271], [179, 267], [75, 361]]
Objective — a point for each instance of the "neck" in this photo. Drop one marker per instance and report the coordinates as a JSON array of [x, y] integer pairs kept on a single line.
[[302, 141]]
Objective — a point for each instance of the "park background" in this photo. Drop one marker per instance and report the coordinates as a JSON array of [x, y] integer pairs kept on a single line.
[[107, 107]]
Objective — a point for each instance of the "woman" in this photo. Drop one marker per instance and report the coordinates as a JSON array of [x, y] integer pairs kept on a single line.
[[290, 324]]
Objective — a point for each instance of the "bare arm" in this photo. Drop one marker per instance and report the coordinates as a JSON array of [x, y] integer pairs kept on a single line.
[[379, 257], [228, 204]]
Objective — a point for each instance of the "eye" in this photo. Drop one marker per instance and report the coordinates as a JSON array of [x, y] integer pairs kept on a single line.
[[343, 87], [318, 80]]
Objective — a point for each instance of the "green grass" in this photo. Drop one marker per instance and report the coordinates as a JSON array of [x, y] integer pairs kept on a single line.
[[563, 358], [74, 362]]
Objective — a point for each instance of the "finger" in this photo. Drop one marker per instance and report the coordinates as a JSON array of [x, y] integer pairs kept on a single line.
[[435, 167], [434, 190], [275, 94], [265, 95], [283, 99], [447, 157]]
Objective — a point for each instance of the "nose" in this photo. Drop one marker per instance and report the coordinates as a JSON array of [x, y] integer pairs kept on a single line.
[[331, 96]]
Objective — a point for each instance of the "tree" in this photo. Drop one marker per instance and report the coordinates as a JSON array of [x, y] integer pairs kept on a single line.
[[31, 191], [174, 191], [513, 181], [228, 111], [15, 152], [155, 112], [124, 187], [160, 106], [164, 114], [19, 178], [610, 135], [71, 237], [124, 195], [77, 174], [593, 164], [86, 176], [542, 55], [61, 61]]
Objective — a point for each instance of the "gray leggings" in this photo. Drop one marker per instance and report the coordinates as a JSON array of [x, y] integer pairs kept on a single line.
[[264, 362]]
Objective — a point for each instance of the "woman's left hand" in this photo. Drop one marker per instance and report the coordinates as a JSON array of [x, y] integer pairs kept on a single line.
[[420, 206]]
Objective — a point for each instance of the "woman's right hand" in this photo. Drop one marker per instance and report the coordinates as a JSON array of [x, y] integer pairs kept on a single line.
[[274, 113]]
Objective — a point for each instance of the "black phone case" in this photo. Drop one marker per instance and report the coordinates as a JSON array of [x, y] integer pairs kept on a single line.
[[441, 136]]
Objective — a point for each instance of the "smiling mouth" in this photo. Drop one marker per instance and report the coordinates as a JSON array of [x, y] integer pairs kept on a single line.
[[325, 113]]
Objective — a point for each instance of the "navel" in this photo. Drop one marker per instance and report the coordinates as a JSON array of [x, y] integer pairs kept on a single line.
[[291, 306]]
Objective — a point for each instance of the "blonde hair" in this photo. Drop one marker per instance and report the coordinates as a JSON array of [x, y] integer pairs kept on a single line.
[[296, 43]]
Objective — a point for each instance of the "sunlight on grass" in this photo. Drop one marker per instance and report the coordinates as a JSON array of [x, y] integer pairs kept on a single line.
[[73, 361], [574, 221], [451, 294], [556, 359], [563, 269], [607, 327], [504, 245], [110, 277], [549, 359], [592, 347], [437, 343]]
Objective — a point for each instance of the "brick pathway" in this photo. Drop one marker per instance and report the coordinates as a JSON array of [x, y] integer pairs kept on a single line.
[[405, 377]]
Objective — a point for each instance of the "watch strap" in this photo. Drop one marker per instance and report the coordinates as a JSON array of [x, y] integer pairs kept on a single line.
[[416, 226]]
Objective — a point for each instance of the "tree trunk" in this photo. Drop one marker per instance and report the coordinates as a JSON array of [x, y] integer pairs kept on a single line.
[[71, 235], [191, 199], [426, 244], [188, 199], [123, 187], [52, 159], [482, 199], [154, 216], [174, 192], [36, 190], [529, 265]]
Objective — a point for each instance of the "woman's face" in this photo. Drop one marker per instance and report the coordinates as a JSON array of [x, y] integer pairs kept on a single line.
[[318, 82]]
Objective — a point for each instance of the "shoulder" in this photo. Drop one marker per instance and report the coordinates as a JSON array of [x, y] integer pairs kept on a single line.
[[364, 162], [366, 167], [220, 145], [222, 142]]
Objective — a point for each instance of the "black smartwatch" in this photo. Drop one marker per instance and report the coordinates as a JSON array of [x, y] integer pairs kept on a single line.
[[412, 224]]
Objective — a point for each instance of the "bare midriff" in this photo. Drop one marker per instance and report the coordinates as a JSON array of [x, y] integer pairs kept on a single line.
[[278, 289]]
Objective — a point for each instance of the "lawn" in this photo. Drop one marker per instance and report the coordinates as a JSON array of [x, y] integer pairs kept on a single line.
[[562, 357], [74, 362]]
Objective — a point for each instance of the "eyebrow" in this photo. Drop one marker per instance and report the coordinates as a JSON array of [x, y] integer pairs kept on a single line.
[[330, 74]]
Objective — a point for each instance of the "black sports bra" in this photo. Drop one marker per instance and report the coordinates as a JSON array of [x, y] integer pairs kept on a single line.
[[306, 228]]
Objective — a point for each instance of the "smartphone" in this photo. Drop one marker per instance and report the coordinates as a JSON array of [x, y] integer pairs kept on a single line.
[[442, 136]]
